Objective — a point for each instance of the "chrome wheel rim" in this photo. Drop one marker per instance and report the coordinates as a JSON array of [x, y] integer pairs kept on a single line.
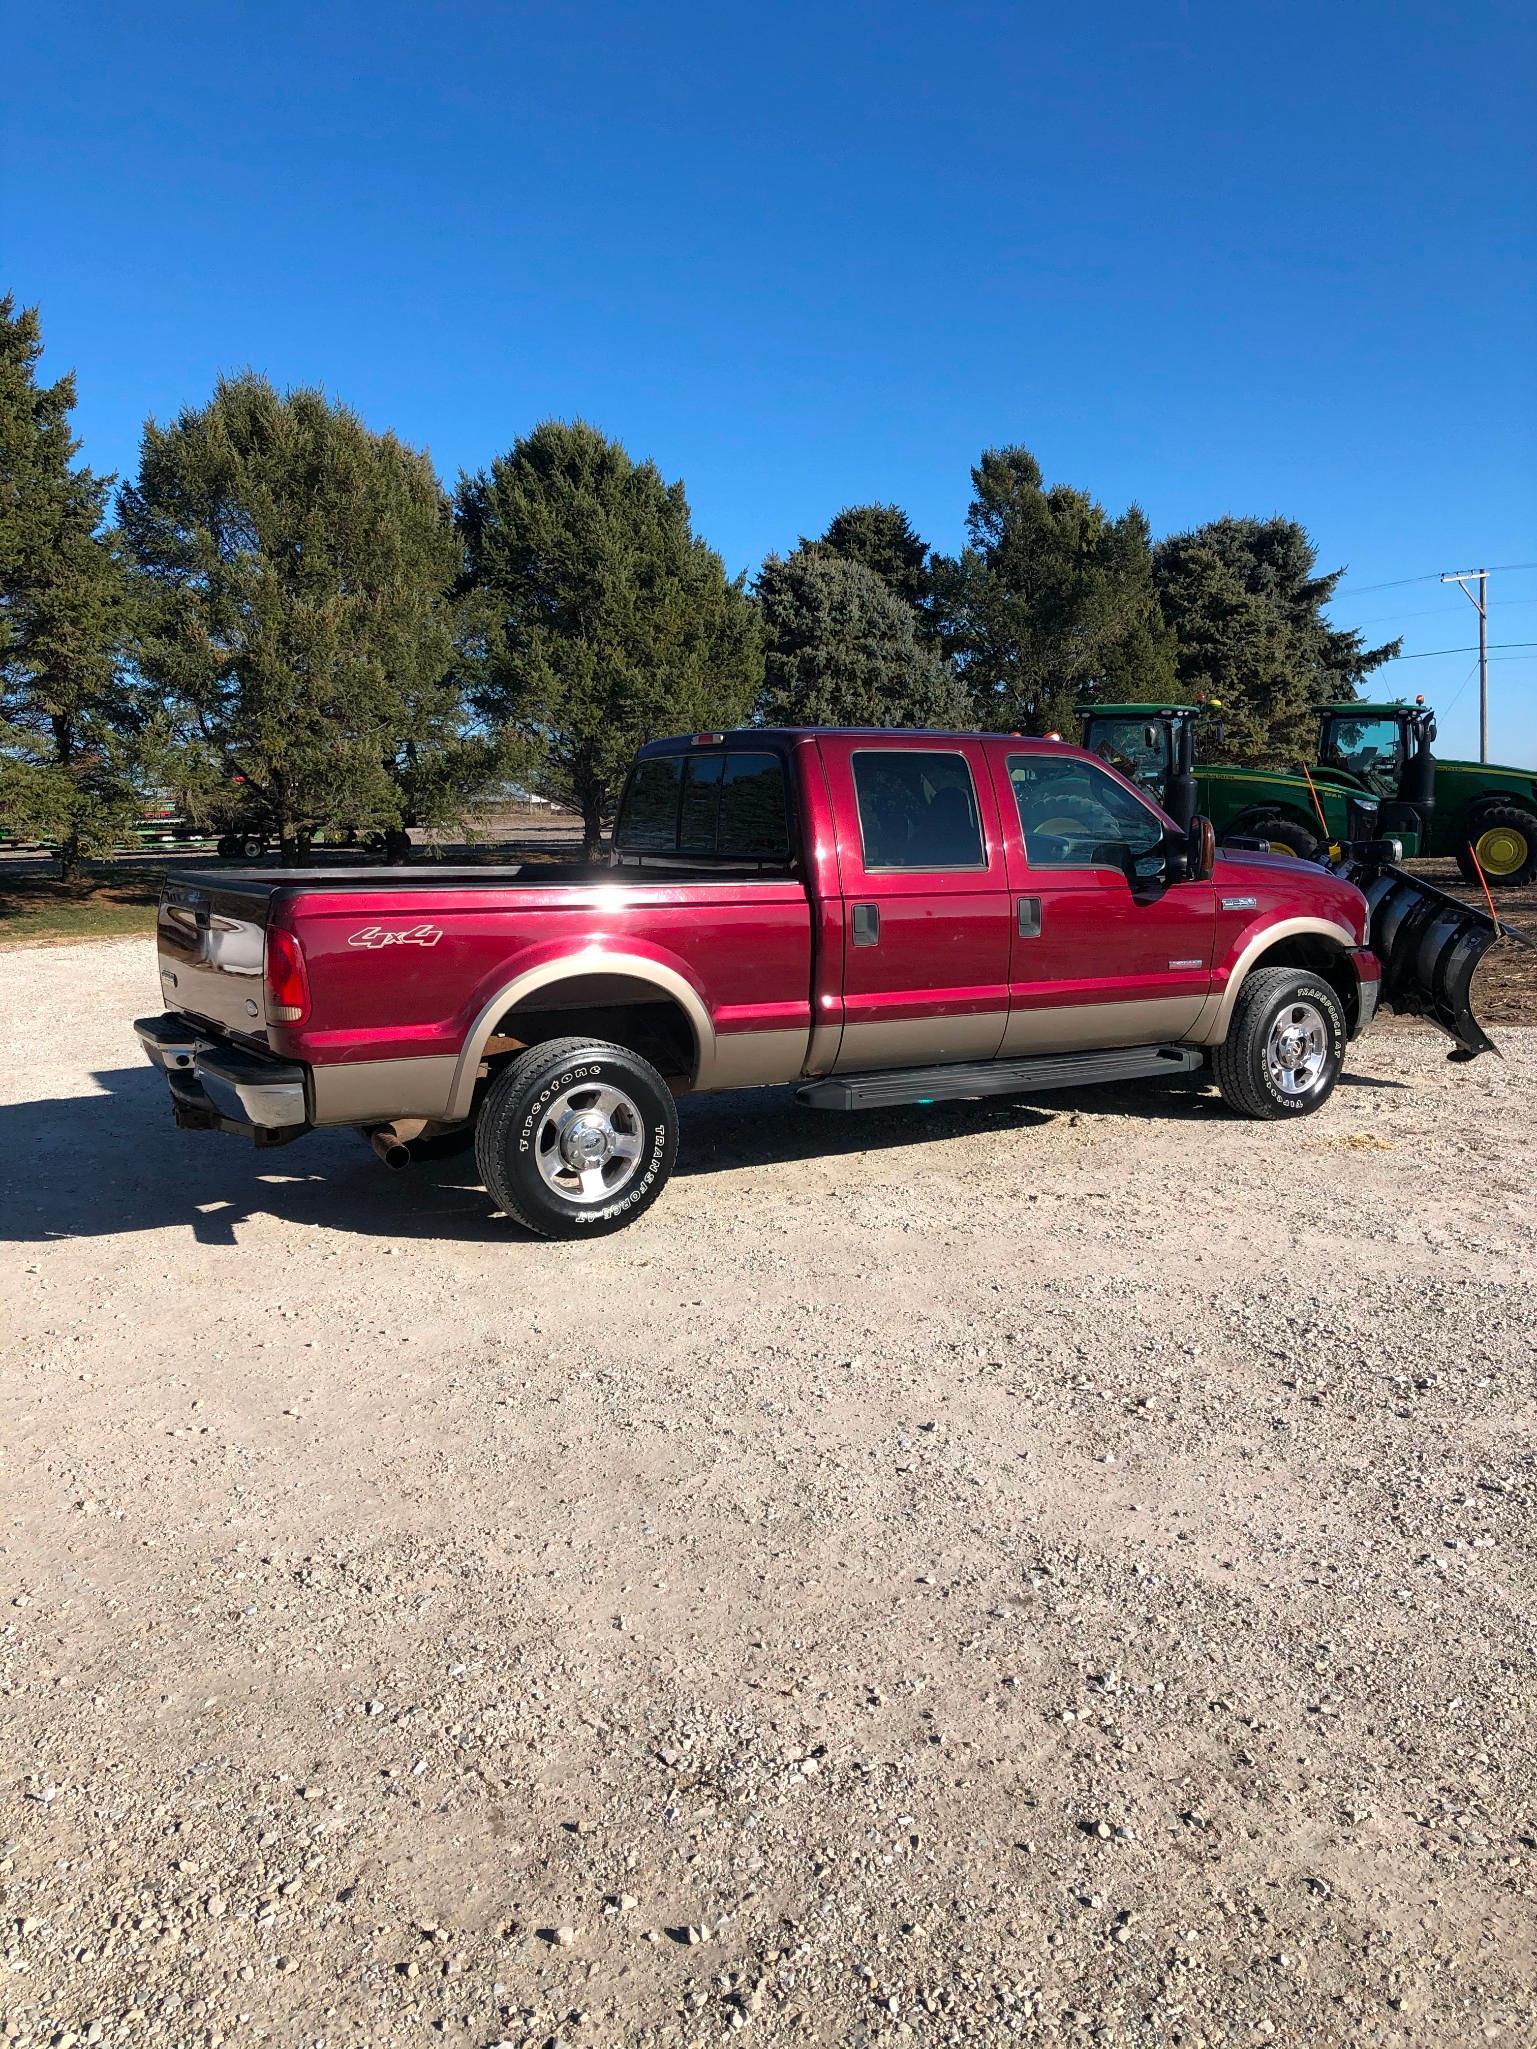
[[589, 1143], [1297, 1051]]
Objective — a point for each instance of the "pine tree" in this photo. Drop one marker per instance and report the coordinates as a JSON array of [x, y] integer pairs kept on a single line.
[[1245, 602], [67, 710], [297, 611], [611, 622], [882, 538], [842, 649], [1051, 601]]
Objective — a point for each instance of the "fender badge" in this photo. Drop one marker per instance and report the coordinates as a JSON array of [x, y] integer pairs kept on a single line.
[[1240, 903], [411, 935]]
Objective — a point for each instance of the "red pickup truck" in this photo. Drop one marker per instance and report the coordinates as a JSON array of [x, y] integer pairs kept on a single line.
[[877, 917]]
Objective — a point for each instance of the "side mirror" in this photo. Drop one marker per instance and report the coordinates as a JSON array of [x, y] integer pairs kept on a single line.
[[1191, 856], [1202, 843]]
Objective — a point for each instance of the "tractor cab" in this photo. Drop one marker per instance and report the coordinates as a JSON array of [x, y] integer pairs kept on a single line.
[[1384, 749], [1376, 745], [1136, 739], [1153, 745]]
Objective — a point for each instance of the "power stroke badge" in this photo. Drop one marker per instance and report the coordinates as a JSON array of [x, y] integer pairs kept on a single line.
[[409, 935]]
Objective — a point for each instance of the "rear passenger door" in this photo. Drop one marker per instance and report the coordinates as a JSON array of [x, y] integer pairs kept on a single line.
[[925, 901]]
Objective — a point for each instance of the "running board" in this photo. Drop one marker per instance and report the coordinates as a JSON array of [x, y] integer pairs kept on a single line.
[[996, 1077]]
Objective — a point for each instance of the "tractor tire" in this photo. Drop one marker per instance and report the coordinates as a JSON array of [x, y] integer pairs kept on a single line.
[[1286, 836], [1504, 837], [576, 1138], [1285, 1045]]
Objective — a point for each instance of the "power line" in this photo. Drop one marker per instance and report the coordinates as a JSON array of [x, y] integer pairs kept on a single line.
[[1430, 576], [1430, 653]]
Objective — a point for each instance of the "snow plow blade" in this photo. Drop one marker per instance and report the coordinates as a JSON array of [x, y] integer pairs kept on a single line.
[[1429, 944]]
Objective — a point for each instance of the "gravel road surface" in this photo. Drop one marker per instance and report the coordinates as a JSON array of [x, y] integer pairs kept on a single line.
[[1053, 1572]]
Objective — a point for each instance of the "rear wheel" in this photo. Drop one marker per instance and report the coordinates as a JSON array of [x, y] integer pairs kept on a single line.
[[1284, 1047], [576, 1138], [1281, 835], [1504, 837]]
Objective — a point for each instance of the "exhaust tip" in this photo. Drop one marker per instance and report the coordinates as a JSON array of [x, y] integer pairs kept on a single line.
[[393, 1151]]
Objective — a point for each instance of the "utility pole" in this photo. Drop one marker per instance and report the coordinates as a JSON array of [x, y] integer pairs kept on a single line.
[[1462, 578]]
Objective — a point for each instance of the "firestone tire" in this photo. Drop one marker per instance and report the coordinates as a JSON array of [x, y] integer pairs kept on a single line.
[[576, 1138], [1285, 1045], [1505, 836]]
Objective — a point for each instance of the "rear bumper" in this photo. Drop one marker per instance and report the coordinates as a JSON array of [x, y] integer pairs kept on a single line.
[[219, 1087]]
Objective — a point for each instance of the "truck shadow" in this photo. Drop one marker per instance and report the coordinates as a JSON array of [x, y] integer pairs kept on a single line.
[[94, 1166]]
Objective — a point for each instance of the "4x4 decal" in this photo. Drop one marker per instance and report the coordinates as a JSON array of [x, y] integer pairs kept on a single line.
[[410, 935]]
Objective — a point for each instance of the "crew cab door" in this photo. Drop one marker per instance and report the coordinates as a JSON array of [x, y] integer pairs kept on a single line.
[[926, 906], [1106, 950]]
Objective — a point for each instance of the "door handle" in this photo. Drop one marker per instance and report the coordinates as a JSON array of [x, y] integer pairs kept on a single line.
[[867, 924], [1029, 917]]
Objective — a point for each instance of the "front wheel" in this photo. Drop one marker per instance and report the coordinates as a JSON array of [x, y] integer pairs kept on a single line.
[[1284, 1047], [576, 1138]]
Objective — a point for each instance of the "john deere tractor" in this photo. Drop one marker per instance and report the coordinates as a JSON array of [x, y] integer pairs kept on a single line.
[[1368, 755]]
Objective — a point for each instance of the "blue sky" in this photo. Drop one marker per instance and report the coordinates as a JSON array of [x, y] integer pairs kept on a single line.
[[1204, 256]]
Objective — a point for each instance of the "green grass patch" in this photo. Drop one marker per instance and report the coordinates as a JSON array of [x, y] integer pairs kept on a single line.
[[36, 910]]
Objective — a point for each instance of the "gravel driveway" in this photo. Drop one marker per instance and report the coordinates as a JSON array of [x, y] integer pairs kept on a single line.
[[1060, 1573]]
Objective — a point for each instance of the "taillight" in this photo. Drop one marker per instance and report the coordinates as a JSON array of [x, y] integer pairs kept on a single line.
[[288, 986]]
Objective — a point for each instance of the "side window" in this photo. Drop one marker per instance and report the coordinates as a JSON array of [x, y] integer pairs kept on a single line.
[[1372, 748], [1073, 815], [917, 810], [649, 824]]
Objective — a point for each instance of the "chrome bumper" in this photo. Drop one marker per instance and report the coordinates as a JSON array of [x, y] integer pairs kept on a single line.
[[215, 1086]]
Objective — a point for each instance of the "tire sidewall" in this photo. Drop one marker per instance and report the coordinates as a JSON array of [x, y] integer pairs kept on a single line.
[[592, 1067], [1306, 989]]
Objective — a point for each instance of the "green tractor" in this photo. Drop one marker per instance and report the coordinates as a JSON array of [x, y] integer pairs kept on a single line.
[[1369, 756]]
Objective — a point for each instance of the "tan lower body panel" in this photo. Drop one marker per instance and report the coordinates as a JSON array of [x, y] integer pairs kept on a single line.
[[919, 1041], [749, 1060], [374, 1091], [1083, 1027]]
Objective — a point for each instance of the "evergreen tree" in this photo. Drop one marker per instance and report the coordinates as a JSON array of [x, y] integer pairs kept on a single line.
[[1051, 601], [610, 621], [882, 538], [297, 614], [1245, 602], [66, 708], [842, 649]]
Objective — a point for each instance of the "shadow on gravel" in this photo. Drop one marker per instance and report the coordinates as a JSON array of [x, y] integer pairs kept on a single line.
[[90, 1166]]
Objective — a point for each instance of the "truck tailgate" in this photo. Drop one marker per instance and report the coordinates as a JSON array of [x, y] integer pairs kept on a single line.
[[211, 936]]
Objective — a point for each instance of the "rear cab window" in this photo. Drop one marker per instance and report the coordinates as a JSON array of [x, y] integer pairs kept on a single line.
[[722, 805]]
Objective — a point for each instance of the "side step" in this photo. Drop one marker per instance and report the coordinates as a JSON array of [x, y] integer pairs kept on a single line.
[[996, 1077]]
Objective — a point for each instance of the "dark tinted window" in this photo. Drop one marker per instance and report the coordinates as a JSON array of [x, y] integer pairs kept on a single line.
[[917, 810], [701, 803], [650, 821], [754, 818], [1073, 815], [734, 806]]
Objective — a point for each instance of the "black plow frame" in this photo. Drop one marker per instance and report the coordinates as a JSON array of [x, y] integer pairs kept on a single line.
[[1429, 943]]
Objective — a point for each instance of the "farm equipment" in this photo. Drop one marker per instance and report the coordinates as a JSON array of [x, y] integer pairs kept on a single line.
[[1482, 816], [1429, 943]]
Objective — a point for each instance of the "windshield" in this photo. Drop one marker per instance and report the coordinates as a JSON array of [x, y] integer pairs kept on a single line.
[[1139, 748], [1371, 748]]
